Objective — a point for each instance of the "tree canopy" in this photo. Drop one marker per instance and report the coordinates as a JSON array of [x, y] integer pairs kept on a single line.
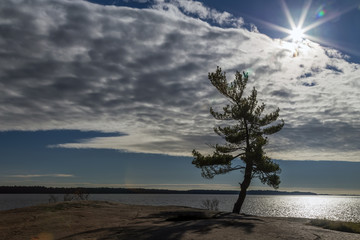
[[245, 130]]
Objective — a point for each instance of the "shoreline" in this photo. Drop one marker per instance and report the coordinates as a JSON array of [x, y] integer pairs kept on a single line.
[[111, 220]]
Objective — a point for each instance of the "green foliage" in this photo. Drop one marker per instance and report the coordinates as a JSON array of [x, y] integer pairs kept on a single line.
[[245, 135]]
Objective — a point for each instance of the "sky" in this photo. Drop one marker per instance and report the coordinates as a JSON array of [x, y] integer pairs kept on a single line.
[[115, 92]]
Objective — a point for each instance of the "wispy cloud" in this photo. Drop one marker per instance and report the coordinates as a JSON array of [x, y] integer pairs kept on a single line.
[[76, 65], [42, 175], [198, 10]]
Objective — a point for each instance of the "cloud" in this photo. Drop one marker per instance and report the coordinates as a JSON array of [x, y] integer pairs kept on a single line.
[[140, 1], [199, 10], [76, 65], [42, 175]]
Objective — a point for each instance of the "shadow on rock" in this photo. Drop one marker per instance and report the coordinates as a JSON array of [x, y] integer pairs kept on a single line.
[[171, 225]]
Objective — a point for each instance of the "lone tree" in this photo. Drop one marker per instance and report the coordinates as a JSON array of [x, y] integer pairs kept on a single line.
[[245, 136]]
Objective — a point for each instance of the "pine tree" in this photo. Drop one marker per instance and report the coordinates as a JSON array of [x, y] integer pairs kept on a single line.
[[244, 135]]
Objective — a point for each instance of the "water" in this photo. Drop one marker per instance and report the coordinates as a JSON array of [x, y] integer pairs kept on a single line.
[[342, 208]]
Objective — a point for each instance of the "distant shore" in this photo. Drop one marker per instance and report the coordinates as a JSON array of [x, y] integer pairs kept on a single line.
[[103, 190], [109, 220]]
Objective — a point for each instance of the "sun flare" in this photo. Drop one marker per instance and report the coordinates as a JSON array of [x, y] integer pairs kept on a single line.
[[297, 34]]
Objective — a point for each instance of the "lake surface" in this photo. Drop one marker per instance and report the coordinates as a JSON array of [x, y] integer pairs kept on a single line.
[[343, 208]]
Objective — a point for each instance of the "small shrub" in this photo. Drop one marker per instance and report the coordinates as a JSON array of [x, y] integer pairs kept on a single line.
[[68, 197], [80, 195], [210, 204], [53, 198]]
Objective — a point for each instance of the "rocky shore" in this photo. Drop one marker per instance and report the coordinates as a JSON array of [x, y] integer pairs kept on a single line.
[[108, 220]]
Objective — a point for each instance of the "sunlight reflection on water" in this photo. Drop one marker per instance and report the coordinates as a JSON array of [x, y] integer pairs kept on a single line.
[[345, 208]]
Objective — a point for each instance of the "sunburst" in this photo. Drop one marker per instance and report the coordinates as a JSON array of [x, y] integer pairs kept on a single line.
[[297, 33]]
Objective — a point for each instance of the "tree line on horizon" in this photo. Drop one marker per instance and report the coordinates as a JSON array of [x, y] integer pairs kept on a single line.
[[108, 190]]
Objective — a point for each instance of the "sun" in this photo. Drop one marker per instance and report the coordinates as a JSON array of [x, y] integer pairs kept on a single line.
[[297, 34]]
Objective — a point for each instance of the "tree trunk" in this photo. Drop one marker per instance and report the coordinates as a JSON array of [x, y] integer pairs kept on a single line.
[[238, 204], [243, 187]]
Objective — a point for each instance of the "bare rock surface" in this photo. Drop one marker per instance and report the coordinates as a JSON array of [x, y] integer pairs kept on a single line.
[[90, 220]]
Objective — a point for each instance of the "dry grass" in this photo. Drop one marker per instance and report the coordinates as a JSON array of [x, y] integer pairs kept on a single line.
[[337, 225]]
